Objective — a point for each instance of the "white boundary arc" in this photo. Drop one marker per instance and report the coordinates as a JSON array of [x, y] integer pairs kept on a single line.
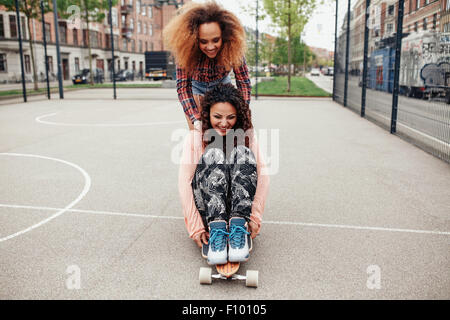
[[39, 119], [87, 186]]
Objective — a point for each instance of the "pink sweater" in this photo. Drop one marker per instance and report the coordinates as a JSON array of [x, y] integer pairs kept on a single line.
[[192, 152]]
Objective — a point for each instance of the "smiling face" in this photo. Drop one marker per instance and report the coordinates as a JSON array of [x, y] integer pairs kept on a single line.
[[210, 39], [223, 117]]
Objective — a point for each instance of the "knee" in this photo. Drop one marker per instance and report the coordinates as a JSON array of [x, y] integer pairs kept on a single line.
[[242, 154], [213, 156]]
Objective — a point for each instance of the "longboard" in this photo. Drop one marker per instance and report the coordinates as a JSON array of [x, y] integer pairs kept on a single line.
[[227, 271]]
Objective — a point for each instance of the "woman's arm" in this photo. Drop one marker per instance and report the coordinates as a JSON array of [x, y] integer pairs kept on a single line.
[[185, 96], [262, 186], [192, 218], [243, 81]]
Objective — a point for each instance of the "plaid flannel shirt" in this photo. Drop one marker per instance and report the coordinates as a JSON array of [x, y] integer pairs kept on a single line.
[[207, 71]]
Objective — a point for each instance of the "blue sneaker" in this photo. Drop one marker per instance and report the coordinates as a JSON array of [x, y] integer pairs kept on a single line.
[[217, 246], [239, 246]]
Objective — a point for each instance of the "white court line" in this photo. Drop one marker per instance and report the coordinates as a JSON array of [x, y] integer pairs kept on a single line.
[[87, 186], [39, 119], [304, 224]]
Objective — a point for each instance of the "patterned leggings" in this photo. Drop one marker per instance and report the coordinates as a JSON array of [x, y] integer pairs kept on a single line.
[[225, 187]]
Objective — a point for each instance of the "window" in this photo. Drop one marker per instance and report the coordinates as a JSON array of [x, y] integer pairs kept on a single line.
[[389, 28], [50, 63], [140, 45], [48, 34], [27, 63], [139, 27], [416, 26], [138, 7], [425, 22], [124, 44], [150, 11], [417, 4], [2, 28], [77, 65], [24, 30], [391, 10], [150, 29], [13, 26], [62, 26], [145, 28], [434, 21], [107, 41], [75, 36], [447, 7], [133, 45], [3, 62]]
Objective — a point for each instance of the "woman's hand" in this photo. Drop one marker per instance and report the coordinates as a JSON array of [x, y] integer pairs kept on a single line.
[[254, 229], [201, 238]]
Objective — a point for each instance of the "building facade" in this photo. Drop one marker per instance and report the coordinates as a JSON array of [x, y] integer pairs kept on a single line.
[[137, 27]]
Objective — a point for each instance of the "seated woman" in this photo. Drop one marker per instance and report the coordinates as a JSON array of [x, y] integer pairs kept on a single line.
[[222, 181]]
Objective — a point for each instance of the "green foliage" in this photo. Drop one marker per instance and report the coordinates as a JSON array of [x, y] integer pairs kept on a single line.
[[290, 14], [91, 10], [31, 8]]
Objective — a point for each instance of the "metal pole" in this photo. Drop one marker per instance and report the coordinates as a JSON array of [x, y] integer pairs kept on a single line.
[[24, 89], [398, 46], [366, 47], [335, 50], [45, 49], [347, 49], [112, 50], [256, 47], [58, 53]]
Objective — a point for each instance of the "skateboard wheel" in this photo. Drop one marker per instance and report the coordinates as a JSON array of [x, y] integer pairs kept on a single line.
[[252, 278], [205, 276]]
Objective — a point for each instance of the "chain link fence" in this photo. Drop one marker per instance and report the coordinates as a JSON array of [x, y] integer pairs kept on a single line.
[[392, 66]]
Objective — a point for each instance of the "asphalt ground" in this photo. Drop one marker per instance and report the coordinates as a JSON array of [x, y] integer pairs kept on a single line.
[[89, 205]]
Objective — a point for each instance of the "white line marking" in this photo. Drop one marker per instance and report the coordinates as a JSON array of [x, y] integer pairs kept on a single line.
[[87, 186], [39, 119], [305, 224]]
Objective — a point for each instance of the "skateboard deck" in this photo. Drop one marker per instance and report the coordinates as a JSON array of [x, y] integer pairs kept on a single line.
[[227, 271]]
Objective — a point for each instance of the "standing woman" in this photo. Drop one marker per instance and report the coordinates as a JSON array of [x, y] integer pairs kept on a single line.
[[207, 42]]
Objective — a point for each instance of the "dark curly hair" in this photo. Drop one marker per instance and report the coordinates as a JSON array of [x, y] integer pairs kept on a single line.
[[227, 93]]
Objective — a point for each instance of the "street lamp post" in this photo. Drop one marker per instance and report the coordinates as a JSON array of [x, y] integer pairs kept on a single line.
[[112, 49], [58, 53], [256, 53], [45, 49], [24, 90]]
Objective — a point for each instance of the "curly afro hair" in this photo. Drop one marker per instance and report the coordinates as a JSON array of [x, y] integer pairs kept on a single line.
[[227, 93], [181, 35]]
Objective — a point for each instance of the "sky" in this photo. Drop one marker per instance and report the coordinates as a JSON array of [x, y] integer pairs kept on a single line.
[[319, 32]]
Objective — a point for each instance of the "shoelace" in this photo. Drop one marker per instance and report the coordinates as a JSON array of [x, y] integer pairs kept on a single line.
[[218, 239], [237, 236]]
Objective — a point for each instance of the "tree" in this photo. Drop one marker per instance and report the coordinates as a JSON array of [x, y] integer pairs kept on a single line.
[[291, 16], [32, 10], [91, 11]]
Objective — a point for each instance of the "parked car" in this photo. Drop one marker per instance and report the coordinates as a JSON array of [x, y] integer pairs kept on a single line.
[[84, 76], [330, 71], [124, 75], [315, 72]]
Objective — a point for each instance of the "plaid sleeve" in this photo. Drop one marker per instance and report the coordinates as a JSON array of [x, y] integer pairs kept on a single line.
[[243, 81], [184, 89]]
